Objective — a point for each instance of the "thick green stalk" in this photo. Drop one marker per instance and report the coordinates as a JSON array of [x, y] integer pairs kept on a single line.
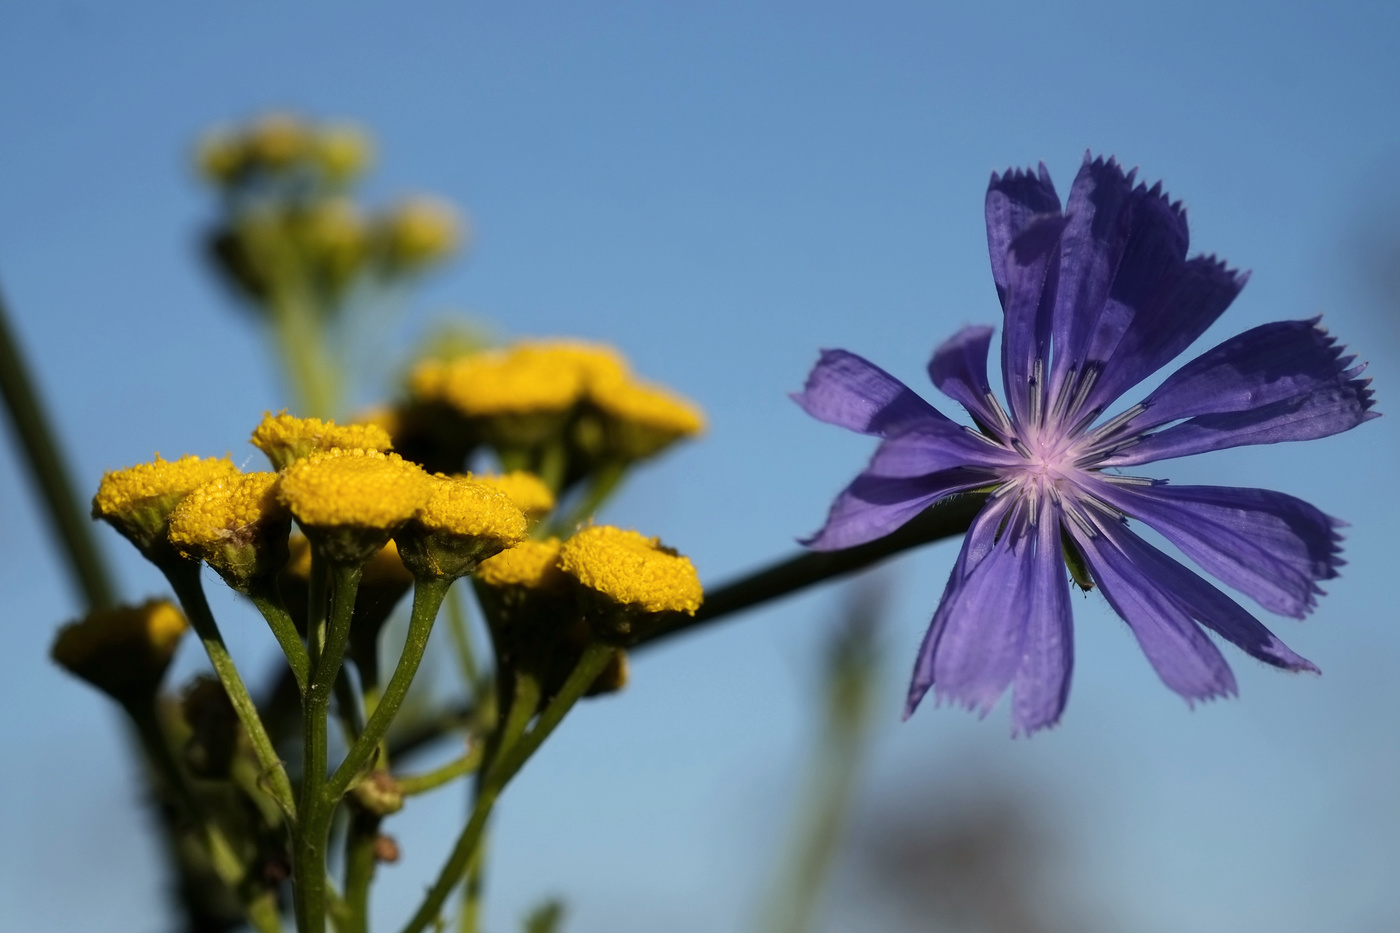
[[316, 807], [49, 471], [947, 518], [184, 579], [594, 659], [427, 598]]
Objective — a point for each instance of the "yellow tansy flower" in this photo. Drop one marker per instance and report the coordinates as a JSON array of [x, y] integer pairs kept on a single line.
[[460, 523], [124, 651], [138, 500], [643, 419], [526, 490], [530, 564], [278, 139], [632, 570], [236, 524], [353, 487], [343, 151], [420, 231], [286, 439]]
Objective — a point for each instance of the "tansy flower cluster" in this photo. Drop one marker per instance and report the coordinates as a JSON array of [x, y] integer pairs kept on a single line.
[[564, 410]]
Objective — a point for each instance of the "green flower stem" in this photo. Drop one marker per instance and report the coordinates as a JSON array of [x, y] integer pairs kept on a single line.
[[944, 520], [520, 706], [427, 598], [553, 461], [49, 471], [184, 579], [347, 703], [316, 806], [156, 744], [431, 780], [594, 659], [360, 863], [267, 598]]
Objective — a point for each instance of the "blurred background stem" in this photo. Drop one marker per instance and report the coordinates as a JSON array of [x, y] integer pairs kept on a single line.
[[50, 473]]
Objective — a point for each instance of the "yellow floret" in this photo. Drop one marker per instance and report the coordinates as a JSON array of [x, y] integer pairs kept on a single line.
[[223, 509], [650, 407], [353, 488], [157, 484], [220, 155], [632, 569], [526, 490], [530, 564], [286, 439], [466, 508]]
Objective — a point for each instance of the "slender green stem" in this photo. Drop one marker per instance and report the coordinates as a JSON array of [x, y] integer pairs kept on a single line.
[[360, 863], [523, 707], [553, 461], [947, 518], [431, 780], [347, 703], [317, 807], [267, 597], [49, 471], [184, 579], [427, 598], [594, 659]]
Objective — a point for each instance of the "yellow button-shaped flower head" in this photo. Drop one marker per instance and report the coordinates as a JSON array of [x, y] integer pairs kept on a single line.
[[286, 439], [460, 524], [343, 151], [138, 500], [641, 420], [419, 232], [124, 651], [530, 565], [237, 525], [276, 140], [350, 502], [529, 493], [630, 579]]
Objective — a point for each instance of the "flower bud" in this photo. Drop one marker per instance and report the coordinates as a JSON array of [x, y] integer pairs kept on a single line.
[[378, 793], [417, 233]]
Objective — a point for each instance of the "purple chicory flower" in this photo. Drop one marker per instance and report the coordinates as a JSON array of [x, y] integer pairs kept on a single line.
[[1095, 298]]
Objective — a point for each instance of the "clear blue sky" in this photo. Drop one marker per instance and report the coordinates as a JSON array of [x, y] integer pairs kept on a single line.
[[722, 189]]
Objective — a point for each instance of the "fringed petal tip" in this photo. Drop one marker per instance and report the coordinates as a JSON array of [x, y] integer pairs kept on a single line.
[[1024, 186]]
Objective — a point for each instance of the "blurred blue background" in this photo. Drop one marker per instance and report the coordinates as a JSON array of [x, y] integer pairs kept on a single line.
[[722, 189]]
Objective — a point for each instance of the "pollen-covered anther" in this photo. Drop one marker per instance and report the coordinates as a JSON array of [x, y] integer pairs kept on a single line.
[[632, 579], [123, 651], [286, 439], [351, 501], [235, 524], [459, 524], [138, 500]]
